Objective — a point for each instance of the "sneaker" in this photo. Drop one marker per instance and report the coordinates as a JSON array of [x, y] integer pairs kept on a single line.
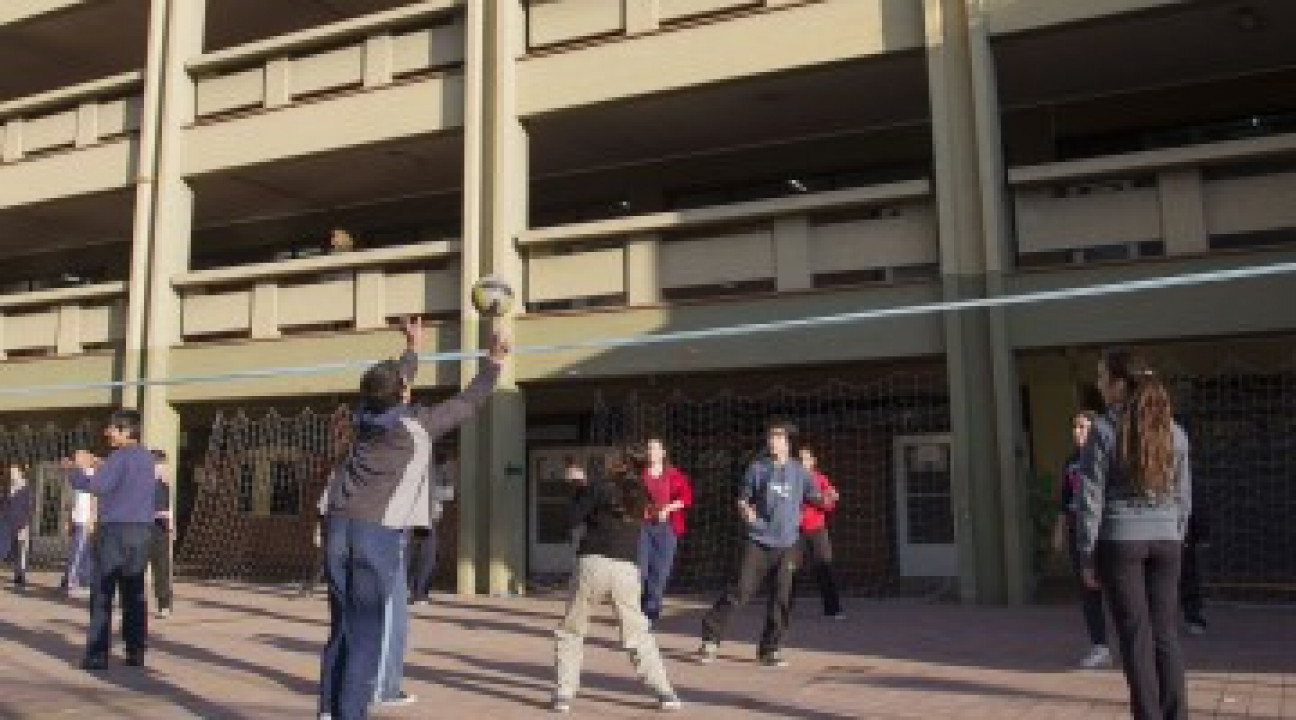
[[94, 662], [669, 703], [560, 704], [1099, 656], [1197, 628], [708, 653], [837, 616], [78, 593], [135, 658], [162, 613], [400, 700], [773, 659]]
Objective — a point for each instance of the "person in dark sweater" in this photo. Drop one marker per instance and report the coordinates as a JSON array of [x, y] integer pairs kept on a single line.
[[124, 482], [1191, 596], [611, 511], [770, 500], [15, 534], [1132, 509], [369, 501], [160, 547]]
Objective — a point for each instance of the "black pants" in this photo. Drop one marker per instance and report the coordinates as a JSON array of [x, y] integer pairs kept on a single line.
[[816, 550], [160, 559], [758, 564], [1190, 584], [1141, 582], [120, 555], [1091, 599]]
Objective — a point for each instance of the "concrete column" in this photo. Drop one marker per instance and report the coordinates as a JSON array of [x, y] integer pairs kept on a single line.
[[164, 207], [87, 132], [12, 151], [989, 497], [643, 269], [792, 254], [69, 330], [378, 67], [278, 83], [370, 299], [265, 311], [642, 16], [493, 524], [1183, 212]]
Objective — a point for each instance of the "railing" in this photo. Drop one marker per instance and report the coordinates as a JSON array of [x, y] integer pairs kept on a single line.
[[63, 322], [368, 52], [560, 22], [1179, 201], [71, 117], [874, 233], [358, 290]]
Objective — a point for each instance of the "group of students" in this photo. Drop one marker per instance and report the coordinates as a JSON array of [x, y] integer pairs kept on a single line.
[[78, 578]]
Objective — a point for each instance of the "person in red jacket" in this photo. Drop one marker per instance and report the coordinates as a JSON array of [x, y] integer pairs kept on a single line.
[[669, 493], [815, 545]]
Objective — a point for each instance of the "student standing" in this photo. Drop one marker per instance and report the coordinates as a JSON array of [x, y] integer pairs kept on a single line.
[[816, 546], [76, 575], [124, 483], [670, 494], [1134, 503], [769, 499], [160, 547], [19, 508]]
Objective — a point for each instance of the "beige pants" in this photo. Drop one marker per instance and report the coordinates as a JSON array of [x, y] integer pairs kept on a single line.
[[596, 578]]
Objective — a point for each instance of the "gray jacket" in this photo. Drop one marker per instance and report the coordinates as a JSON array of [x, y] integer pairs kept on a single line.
[[1109, 508]]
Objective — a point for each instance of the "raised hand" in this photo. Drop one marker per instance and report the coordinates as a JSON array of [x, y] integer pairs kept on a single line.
[[500, 348], [412, 328]]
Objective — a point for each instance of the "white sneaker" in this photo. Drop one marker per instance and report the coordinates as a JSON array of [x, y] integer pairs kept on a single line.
[[708, 652], [560, 704], [1099, 656], [669, 703], [838, 616], [1196, 628], [400, 700]]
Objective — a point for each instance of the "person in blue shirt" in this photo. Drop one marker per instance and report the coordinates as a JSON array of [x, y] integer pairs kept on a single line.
[[124, 482], [769, 499]]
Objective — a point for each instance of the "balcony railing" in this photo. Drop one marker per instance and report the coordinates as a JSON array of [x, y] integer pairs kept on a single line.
[[72, 117], [555, 23], [872, 234], [358, 290], [62, 322], [1180, 201], [368, 52]]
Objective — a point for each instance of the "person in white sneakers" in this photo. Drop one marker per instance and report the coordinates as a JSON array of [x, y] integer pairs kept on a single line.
[[1064, 540]]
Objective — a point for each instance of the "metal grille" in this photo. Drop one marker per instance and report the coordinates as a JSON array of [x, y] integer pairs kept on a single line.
[[714, 437], [254, 511]]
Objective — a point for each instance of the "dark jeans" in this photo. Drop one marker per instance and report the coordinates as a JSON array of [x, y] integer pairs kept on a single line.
[[1190, 585], [1141, 582], [425, 563], [657, 543], [160, 559], [362, 561], [758, 564], [816, 549], [120, 552], [1091, 600]]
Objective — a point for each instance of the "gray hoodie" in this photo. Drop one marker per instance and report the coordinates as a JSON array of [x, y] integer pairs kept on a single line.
[[1108, 507]]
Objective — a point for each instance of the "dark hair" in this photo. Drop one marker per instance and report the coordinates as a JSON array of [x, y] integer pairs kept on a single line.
[[1144, 431], [127, 421], [786, 427], [381, 386], [629, 497]]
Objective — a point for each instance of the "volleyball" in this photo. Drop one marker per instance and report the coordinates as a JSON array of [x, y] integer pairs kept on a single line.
[[492, 296]]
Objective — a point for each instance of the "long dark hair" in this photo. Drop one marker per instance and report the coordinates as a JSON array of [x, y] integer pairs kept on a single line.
[[1145, 430], [630, 497]]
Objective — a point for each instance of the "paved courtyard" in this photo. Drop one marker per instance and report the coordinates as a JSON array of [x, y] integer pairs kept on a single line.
[[251, 652]]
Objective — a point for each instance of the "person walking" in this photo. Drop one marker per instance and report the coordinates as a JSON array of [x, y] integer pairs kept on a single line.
[[670, 493], [769, 500], [816, 546], [1132, 511], [124, 482], [611, 510], [1064, 540], [160, 546], [15, 535]]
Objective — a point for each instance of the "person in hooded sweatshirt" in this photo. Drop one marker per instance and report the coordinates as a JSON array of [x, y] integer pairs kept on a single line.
[[371, 497]]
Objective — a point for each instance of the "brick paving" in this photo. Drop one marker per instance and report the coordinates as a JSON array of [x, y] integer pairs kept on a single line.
[[251, 652]]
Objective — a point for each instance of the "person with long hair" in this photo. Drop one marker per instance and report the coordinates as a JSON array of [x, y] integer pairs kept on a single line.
[[611, 509], [816, 547], [1132, 511], [1064, 540], [670, 494]]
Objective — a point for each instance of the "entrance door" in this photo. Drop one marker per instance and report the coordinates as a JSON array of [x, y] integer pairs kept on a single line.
[[925, 538], [552, 552]]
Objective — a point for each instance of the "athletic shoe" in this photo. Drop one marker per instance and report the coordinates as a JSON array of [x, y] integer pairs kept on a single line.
[[708, 653], [94, 662], [400, 700], [1197, 628], [162, 613], [1099, 656], [78, 593], [669, 703], [837, 616], [135, 658], [560, 704], [773, 659]]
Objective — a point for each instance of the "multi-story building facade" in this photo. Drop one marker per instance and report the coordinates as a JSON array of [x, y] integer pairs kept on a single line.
[[194, 187]]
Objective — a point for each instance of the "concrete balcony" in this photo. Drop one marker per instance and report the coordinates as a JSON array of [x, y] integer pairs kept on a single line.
[[62, 322], [72, 141], [386, 76]]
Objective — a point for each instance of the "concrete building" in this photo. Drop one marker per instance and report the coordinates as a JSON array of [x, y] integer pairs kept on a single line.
[[192, 187]]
